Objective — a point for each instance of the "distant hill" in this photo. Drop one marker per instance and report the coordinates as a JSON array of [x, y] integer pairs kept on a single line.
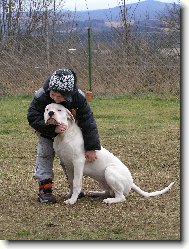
[[137, 11]]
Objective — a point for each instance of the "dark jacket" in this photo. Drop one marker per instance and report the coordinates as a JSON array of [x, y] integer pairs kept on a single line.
[[84, 117]]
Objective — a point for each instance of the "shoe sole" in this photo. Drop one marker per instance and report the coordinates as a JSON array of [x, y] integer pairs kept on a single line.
[[45, 201]]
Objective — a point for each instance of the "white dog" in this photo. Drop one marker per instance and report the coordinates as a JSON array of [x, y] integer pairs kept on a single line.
[[107, 169]]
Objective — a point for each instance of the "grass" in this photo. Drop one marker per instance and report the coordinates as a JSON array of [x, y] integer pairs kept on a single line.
[[142, 131]]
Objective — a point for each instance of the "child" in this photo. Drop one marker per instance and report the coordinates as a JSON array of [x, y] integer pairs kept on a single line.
[[60, 87]]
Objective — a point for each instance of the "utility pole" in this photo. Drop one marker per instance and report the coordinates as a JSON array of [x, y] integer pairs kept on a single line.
[[124, 14], [47, 38], [89, 94]]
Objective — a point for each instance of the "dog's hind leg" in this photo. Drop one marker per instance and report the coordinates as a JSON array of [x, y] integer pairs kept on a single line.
[[119, 196], [107, 192], [116, 199], [114, 181], [96, 193]]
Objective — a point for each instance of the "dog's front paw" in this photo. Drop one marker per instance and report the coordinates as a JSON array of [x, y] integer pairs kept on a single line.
[[70, 201]]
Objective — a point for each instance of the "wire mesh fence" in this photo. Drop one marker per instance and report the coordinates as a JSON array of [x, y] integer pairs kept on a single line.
[[125, 60]]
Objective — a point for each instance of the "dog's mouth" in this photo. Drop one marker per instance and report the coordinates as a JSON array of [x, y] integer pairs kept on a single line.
[[52, 121]]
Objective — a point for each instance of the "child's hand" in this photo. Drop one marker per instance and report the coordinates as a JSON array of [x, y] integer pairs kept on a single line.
[[61, 128], [37, 133], [90, 156]]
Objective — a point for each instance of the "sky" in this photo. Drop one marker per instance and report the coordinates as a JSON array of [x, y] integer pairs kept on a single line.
[[101, 4]]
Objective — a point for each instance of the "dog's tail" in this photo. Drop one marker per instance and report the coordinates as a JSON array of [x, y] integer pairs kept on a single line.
[[148, 194]]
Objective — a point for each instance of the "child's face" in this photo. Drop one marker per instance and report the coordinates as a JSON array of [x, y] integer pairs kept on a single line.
[[57, 97]]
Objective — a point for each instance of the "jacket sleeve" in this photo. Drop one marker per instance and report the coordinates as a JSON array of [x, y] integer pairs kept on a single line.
[[35, 115], [87, 124]]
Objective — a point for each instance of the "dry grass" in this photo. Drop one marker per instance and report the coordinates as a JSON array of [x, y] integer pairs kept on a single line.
[[142, 132]]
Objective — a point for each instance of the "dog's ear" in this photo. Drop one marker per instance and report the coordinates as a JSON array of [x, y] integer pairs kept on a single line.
[[70, 116]]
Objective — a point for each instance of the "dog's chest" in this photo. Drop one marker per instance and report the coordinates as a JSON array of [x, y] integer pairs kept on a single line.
[[68, 145], [62, 147]]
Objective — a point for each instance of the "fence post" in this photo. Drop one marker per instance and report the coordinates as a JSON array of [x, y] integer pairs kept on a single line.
[[47, 38], [89, 93], [4, 21]]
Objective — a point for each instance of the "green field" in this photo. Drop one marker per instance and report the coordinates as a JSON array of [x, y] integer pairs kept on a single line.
[[144, 132]]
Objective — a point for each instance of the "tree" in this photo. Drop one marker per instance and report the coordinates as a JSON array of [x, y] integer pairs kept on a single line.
[[170, 18]]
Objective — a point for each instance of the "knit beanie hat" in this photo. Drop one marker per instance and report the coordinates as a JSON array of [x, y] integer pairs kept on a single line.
[[64, 82]]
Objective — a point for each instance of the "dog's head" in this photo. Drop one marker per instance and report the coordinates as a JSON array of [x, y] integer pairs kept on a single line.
[[57, 114]]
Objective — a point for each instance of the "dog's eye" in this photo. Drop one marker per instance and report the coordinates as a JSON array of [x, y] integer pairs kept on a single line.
[[47, 109], [59, 110]]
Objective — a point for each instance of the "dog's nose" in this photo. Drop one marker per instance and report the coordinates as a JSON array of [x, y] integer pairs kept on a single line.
[[51, 113]]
